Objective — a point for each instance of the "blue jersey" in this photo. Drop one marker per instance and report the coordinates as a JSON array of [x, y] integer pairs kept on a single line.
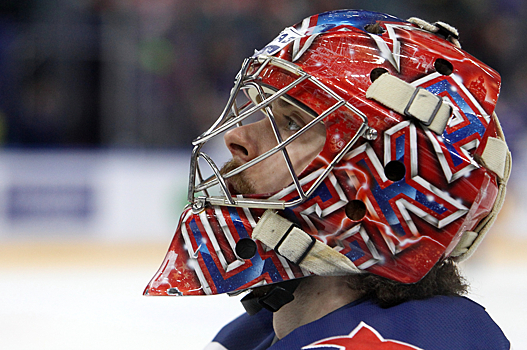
[[438, 323]]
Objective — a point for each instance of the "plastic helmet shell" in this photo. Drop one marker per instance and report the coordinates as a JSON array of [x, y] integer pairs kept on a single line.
[[394, 206]]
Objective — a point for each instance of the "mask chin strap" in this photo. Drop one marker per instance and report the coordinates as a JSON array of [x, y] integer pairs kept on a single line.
[[300, 248], [272, 299]]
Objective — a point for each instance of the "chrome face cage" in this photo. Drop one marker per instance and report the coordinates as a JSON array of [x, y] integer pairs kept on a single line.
[[232, 116]]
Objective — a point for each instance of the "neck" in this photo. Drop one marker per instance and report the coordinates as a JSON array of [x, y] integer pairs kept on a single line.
[[315, 297]]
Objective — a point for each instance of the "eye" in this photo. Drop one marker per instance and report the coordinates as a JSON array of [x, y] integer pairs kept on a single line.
[[292, 125]]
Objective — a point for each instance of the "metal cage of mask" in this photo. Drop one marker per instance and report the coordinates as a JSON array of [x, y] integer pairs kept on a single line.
[[232, 116]]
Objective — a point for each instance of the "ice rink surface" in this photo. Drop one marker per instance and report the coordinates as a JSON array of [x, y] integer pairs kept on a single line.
[[88, 295]]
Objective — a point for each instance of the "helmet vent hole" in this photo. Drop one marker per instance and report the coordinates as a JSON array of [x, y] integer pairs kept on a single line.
[[395, 170], [374, 28], [444, 67], [356, 210], [377, 72], [246, 248]]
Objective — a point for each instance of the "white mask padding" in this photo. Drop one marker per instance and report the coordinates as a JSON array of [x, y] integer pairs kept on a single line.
[[299, 247], [436, 27], [410, 101], [497, 158]]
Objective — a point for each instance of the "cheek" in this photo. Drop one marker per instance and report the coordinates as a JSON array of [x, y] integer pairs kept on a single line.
[[270, 175], [307, 148], [263, 136]]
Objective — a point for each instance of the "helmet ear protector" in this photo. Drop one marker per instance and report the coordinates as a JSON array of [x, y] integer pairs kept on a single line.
[[413, 169]]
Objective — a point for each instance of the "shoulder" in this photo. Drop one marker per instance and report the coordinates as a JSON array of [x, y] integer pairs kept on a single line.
[[437, 323], [454, 320]]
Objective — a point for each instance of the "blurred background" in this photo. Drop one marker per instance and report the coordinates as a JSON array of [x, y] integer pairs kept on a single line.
[[99, 101]]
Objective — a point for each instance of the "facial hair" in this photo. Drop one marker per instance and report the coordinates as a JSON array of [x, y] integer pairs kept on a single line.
[[239, 183]]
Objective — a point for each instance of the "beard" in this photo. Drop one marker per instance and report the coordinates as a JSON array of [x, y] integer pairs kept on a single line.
[[239, 183]]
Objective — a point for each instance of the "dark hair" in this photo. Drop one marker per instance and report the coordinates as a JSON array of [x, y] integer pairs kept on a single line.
[[443, 279]]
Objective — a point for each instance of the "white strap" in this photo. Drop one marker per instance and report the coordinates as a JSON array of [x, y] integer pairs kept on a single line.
[[464, 243], [468, 245], [410, 101], [446, 29], [501, 167], [301, 248]]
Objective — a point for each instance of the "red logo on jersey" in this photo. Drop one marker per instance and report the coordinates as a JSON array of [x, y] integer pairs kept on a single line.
[[363, 337]]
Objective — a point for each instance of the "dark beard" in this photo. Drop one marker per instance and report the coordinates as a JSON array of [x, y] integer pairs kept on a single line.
[[237, 184]]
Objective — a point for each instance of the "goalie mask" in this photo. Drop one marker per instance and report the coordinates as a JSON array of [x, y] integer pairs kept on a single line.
[[360, 142]]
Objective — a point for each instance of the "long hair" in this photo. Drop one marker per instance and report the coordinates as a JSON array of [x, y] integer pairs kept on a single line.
[[443, 279]]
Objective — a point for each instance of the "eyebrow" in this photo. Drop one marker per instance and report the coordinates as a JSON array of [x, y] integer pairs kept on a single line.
[[283, 102]]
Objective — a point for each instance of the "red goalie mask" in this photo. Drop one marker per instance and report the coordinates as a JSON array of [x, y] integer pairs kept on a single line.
[[361, 143]]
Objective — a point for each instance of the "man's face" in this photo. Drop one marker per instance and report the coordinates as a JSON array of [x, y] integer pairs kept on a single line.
[[249, 141]]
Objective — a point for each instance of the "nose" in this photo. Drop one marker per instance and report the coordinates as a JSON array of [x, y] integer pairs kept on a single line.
[[245, 142], [240, 143]]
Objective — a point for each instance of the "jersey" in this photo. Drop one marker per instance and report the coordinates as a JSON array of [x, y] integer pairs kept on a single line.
[[438, 323]]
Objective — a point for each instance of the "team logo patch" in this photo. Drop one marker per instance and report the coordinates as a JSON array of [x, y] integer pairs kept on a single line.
[[363, 337]]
